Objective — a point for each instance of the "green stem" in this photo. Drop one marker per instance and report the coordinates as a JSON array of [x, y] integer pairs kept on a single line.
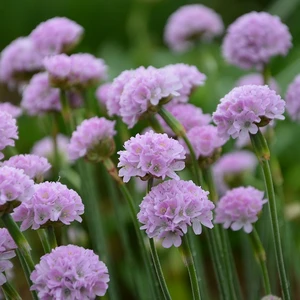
[[55, 130], [260, 255], [257, 140], [44, 240], [266, 73], [66, 112], [155, 124], [10, 292]]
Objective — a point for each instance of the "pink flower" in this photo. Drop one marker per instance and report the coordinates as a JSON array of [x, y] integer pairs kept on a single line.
[[293, 99], [102, 93], [11, 109]]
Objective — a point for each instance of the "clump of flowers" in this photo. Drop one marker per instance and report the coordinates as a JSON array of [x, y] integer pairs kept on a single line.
[[190, 78], [191, 23], [19, 60], [79, 70], [52, 203], [293, 99], [7, 247], [254, 38], [70, 272], [245, 109], [151, 155], [56, 35], [11, 109], [170, 207], [34, 166], [239, 208], [93, 139], [102, 93]]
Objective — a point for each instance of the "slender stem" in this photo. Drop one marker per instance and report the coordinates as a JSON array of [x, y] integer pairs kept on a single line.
[[10, 292], [155, 124], [51, 236], [44, 240], [266, 73], [66, 112], [260, 255], [55, 130]]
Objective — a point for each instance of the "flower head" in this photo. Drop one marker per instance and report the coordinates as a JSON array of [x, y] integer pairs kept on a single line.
[[102, 92], [170, 207], [245, 108], [191, 23], [70, 272], [239, 208], [11, 109], [34, 166], [7, 246], [79, 70], [56, 35], [9, 131], [93, 138], [151, 154], [51, 203], [254, 38], [293, 99], [270, 297]]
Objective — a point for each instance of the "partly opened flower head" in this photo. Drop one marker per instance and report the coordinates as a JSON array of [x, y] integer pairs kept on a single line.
[[293, 99], [254, 38], [191, 23], [171, 207], [7, 246], [151, 154], [51, 203], [245, 108], [93, 138], [239, 208], [70, 272]]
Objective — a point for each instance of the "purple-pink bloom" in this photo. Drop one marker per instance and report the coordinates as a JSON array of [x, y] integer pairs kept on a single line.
[[56, 35], [34, 166], [293, 99], [239, 208], [7, 247], [191, 23], [92, 137], [102, 93], [170, 207], [9, 131], [11, 109], [51, 203], [271, 297], [151, 154], [70, 272], [245, 108], [254, 38]]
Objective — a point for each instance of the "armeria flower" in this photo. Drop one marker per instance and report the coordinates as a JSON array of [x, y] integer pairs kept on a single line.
[[39, 97], [70, 272], [102, 93], [7, 247], [187, 114], [56, 35], [239, 208], [51, 203], [79, 70], [271, 297], [254, 38], [93, 138], [257, 79], [15, 187], [293, 99], [151, 154], [11, 109], [245, 108], [8, 130], [231, 167], [170, 207], [190, 78], [34, 166], [191, 23], [19, 60]]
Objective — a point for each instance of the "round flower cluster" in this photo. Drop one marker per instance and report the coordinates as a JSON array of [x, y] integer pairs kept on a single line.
[[245, 108], [151, 154], [93, 138], [102, 93], [191, 23], [187, 114], [232, 166], [56, 35], [34, 166], [11, 109], [9, 131], [293, 99], [70, 272], [257, 79], [190, 78], [15, 185], [270, 297], [239, 208], [170, 207], [19, 60], [254, 38], [78, 70], [52, 202], [7, 246]]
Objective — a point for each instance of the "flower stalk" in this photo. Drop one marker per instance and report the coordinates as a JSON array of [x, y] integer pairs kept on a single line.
[[10, 292]]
